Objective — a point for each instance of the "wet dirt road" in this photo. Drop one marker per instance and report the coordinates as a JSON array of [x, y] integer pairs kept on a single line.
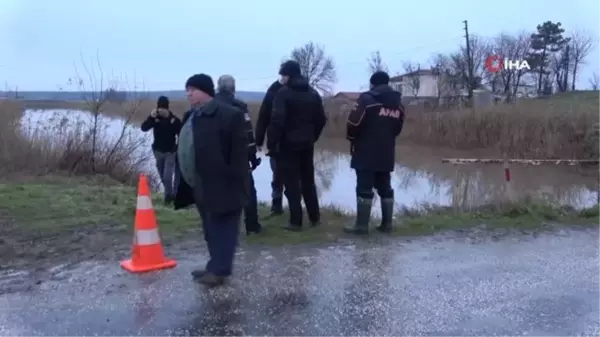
[[543, 285]]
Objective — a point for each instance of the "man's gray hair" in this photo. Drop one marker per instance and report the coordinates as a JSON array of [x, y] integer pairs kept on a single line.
[[226, 83]]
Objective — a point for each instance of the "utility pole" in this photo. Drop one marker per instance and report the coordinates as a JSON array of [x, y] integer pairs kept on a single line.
[[470, 80]]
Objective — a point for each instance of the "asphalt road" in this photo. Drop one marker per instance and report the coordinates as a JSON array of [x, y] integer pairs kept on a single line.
[[544, 285]]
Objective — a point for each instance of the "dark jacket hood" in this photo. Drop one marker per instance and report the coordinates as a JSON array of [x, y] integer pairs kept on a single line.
[[226, 95], [386, 95], [298, 83], [274, 87]]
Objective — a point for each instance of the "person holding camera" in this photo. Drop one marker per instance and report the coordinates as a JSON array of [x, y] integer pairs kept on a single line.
[[166, 127]]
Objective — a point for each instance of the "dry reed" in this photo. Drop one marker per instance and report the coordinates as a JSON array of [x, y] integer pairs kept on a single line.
[[62, 144], [560, 126]]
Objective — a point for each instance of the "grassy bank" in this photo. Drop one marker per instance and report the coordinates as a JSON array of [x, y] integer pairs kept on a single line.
[[57, 216], [564, 125]]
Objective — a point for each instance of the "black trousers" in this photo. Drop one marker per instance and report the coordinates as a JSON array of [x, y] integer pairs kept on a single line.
[[221, 235], [251, 209], [276, 186], [298, 174], [366, 181]]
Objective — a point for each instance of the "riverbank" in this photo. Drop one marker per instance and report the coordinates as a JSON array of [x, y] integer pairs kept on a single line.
[[560, 126], [66, 218]]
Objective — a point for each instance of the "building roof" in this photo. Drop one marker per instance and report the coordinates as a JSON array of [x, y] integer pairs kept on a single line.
[[347, 94], [420, 72]]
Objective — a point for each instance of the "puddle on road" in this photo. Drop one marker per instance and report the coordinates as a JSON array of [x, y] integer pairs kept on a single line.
[[419, 178]]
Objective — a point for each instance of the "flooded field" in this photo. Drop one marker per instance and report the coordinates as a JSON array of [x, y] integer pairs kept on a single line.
[[420, 178]]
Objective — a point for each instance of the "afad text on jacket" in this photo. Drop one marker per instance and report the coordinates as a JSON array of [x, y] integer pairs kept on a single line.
[[372, 127]]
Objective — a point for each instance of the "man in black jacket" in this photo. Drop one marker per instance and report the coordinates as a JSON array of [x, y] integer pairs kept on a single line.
[[297, 121], [372, 128], [213, 160], [166, 127], [226, 93], [264, 118]]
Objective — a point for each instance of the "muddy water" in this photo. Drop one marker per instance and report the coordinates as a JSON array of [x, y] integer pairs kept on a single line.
[[419, 178]]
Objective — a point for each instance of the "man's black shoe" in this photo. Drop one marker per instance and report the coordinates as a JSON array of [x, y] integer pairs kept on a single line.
[[168, 200], [315, 223], [384, 229], [211, 280], [273, 214], [256, 230], [292, 228], [198, 273]]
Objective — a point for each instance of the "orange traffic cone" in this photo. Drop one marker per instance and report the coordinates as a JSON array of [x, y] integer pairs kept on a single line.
[[147, 252]]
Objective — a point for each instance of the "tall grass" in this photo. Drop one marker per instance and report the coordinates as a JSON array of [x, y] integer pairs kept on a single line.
[[63, 144], [559, 126], [563, 125]]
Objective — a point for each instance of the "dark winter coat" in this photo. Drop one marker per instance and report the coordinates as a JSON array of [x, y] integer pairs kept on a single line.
[[165, 131], [264, 113], [372, 128], [230, 99], [298, 117], [221, 160]]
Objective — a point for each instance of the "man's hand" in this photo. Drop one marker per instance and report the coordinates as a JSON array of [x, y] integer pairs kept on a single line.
[[255, 162], [153, 113]]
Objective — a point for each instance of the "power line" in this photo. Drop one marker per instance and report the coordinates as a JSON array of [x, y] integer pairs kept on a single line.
[[405, 51], [402, 52], [273, 76]]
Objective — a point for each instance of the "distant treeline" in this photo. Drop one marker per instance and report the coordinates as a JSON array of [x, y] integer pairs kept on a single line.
[[249, 96]]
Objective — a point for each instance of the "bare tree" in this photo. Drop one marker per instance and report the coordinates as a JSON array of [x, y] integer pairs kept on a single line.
[[480, 49], [454, 74], [560, 65], [318, 68], [594, 81], [376, 63], [508, 82], [412, 78], [581, 45], [96, 96], [447, 81]]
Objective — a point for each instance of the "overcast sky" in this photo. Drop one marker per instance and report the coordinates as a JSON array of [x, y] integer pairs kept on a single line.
[[158, 44]]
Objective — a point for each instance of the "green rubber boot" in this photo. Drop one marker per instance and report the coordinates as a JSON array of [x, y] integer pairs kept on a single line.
[[363, 216], [387, 215]]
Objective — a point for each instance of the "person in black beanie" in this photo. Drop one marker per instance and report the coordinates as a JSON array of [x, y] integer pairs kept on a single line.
[[213, 161], [373, 125], [165, 126], [297, 120]]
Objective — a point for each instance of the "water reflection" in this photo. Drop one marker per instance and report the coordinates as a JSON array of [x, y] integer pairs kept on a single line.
[[419, 178]]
